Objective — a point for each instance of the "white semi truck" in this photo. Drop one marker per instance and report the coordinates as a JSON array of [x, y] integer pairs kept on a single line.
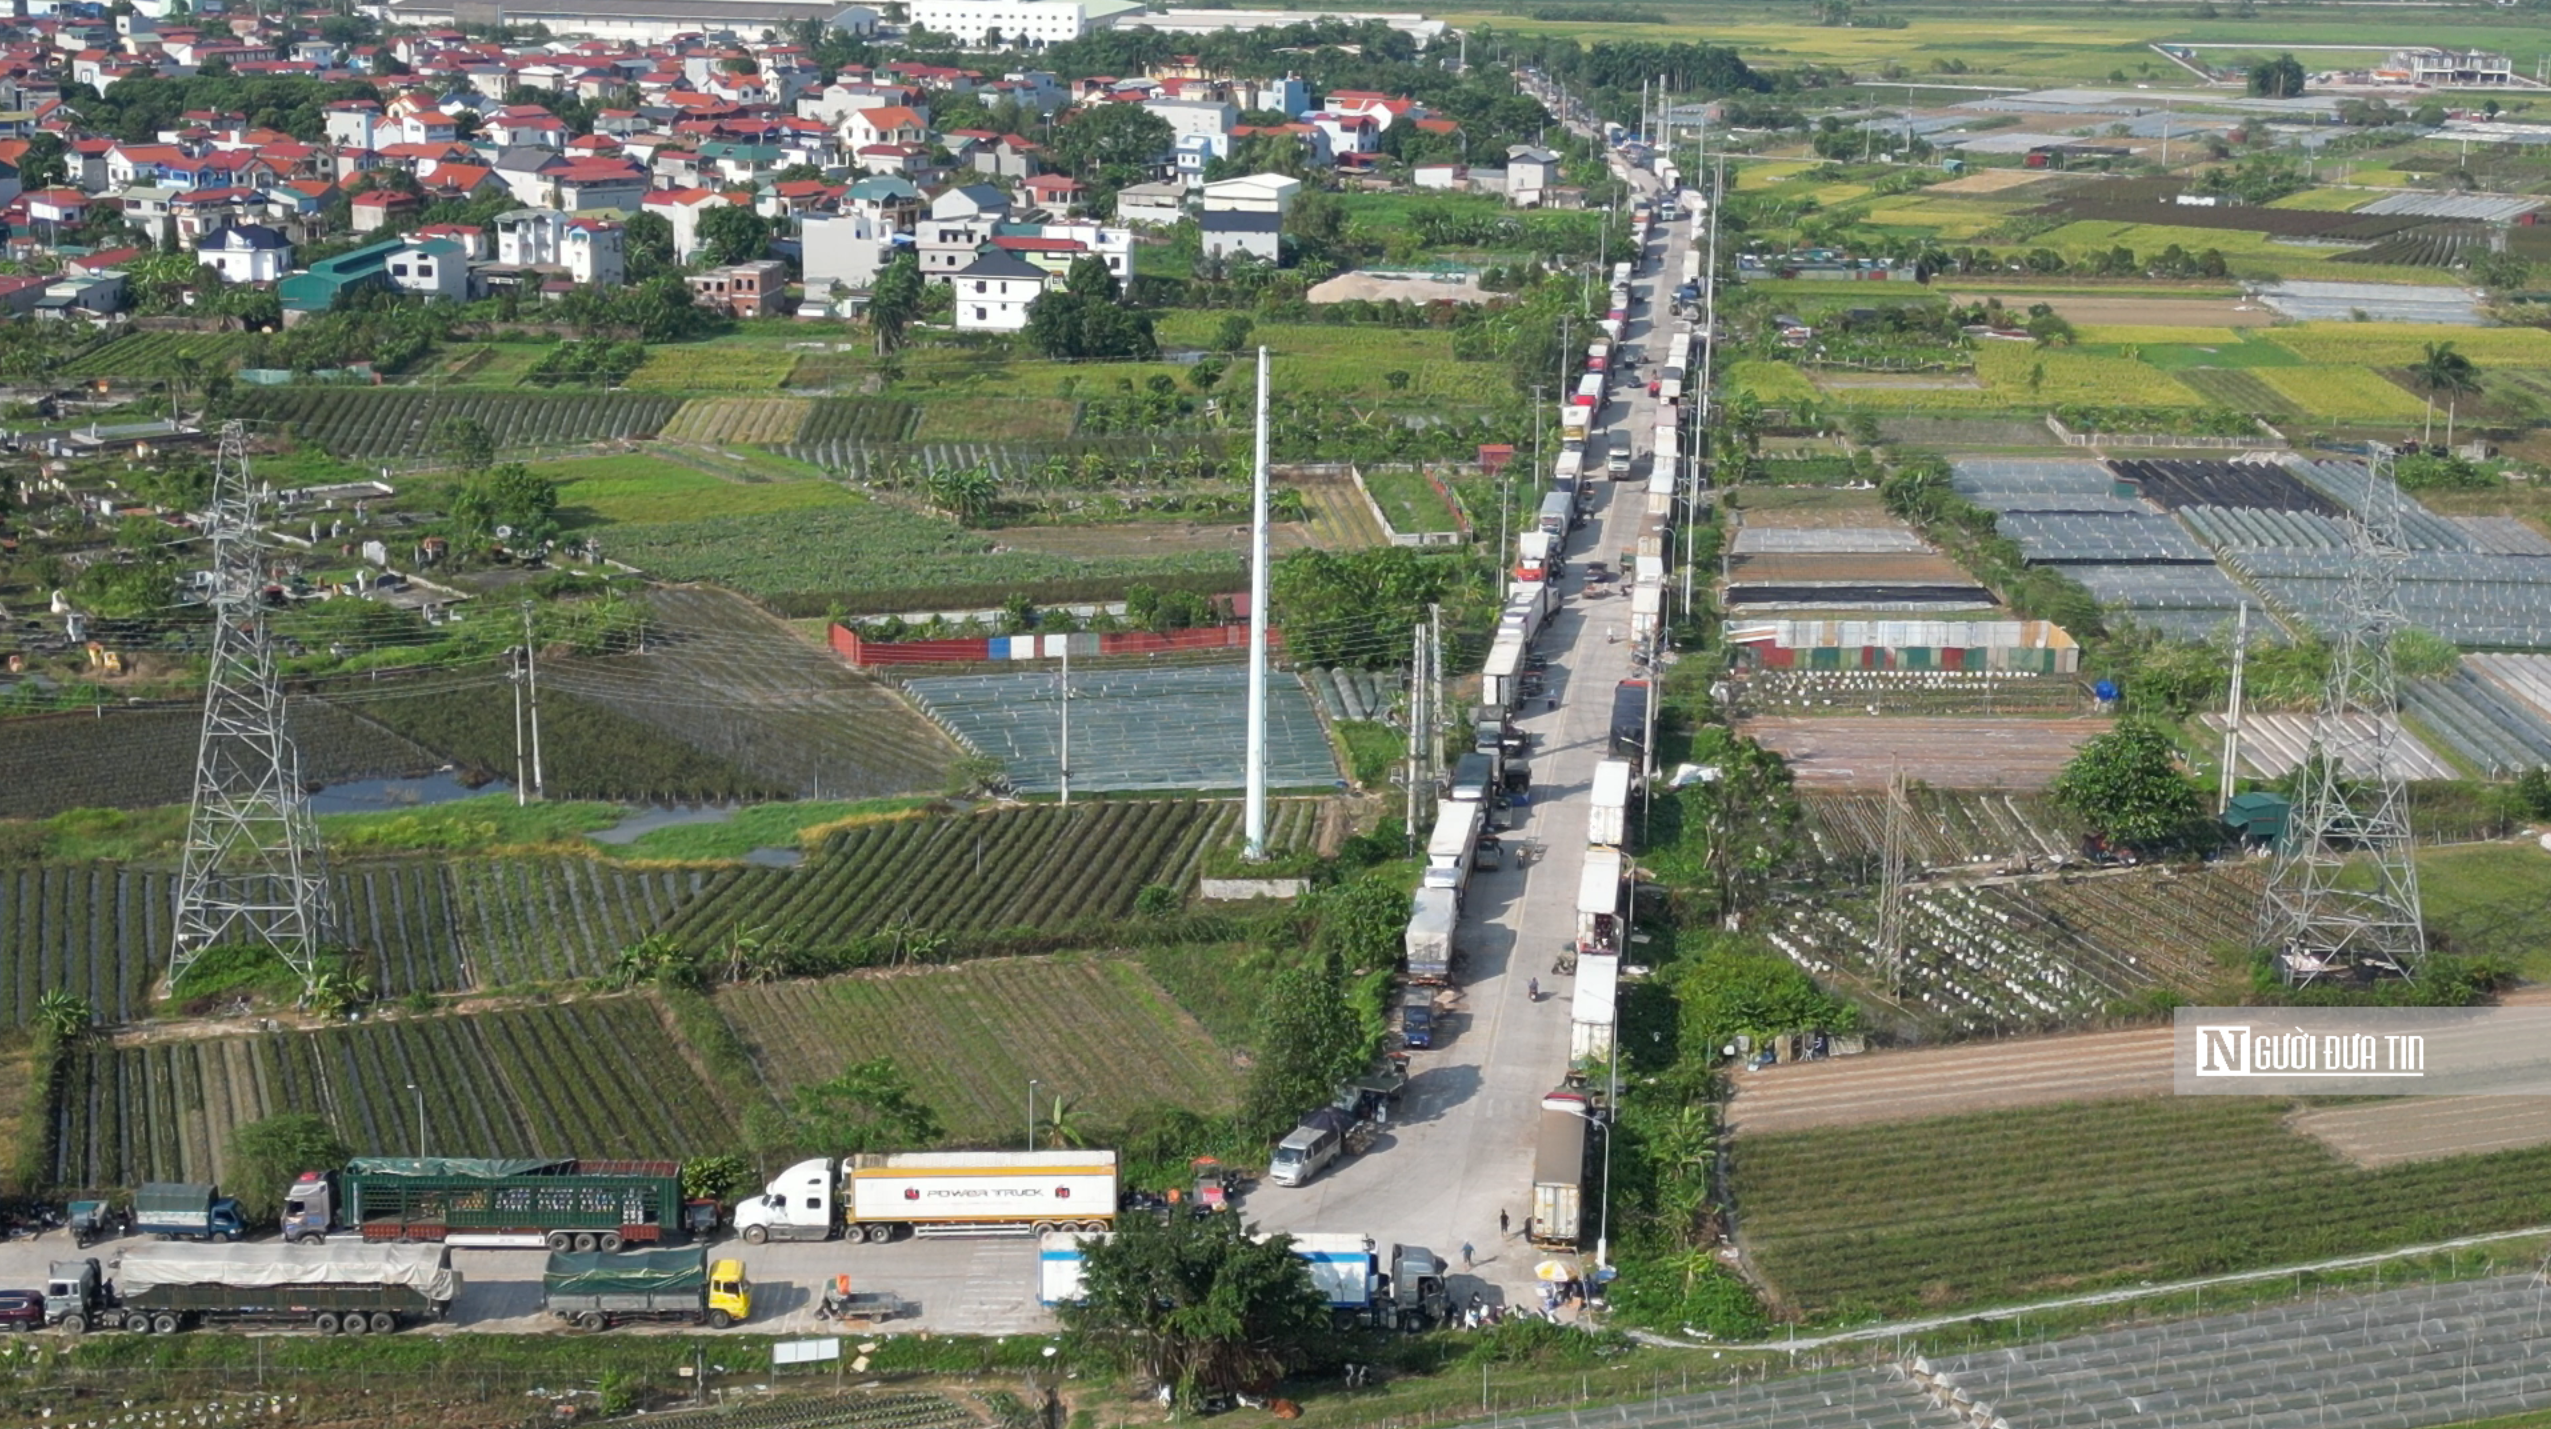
[[934, 1193]]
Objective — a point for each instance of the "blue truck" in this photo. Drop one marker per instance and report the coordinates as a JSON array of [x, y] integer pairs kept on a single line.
[[183, 1210]]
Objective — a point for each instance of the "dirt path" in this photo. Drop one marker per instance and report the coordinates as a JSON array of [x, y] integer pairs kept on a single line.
[[1943, 1081]]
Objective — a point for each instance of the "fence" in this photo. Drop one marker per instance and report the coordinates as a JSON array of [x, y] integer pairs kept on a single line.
[[2270, 438], [867, 653]]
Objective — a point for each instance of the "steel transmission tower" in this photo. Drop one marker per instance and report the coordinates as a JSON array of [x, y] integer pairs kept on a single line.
[[253, 871], [2344, 894]]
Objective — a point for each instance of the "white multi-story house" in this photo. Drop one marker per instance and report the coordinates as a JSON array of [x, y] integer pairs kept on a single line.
[[246, 253], [1030, 24], [994, 291], [429, 267], [592, 250], [843, 250]]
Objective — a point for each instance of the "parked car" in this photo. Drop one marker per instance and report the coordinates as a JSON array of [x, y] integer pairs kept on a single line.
[[21, 1309]]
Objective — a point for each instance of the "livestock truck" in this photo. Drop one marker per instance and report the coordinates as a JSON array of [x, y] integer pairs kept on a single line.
[[335, 1289], [182, 1210], [564, 1205], [594, 1291], [932, 1193]]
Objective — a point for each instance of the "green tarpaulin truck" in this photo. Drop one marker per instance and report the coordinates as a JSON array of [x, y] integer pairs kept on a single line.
[[596, 1291], [566, 1205]]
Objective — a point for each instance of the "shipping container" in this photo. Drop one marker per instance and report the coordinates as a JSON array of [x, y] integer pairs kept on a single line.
[[1608, 825], [1558, 1180], [1592, 1008]]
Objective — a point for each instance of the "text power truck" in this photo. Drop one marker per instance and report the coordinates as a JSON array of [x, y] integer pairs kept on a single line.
[[878, 1197], [181, 1210], [565, 1205], [334, 1289], [595, 1291]]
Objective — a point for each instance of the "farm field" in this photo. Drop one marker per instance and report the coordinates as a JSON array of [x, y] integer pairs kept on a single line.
[[1097, 1032], [102, 929], [2399, 344], [599, 1077], [1039, 867], [1920, 1083], [156, 354], [711, 367], [724, 678], [590, 750], [2344, 393], [139, 759], [608, 490], [2490, 900], [1915, 1216], [1408, 501], [1858, 752], [371, 423], [2394, 1130], [739, 419]]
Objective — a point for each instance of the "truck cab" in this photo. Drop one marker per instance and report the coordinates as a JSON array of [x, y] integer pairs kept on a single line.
[[1418, 1297], [730, 1294], [801, 1203], [73, 1291]]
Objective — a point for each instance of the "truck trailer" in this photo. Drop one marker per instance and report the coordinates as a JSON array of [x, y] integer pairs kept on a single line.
[[1630, 720], [1608, 822], [878, 1197], [1558, 1180], [1599, 902], [1433, 913], [344, 1289], [593, 1291], [524, 1203]]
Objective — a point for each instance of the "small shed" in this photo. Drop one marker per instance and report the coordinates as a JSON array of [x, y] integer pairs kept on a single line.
[[2258, 817]]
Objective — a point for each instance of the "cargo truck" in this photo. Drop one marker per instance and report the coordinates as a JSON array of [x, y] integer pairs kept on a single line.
[[1433, 913], [1558, 1179], [1558, 513], [1594, 1008], [1402, 1288], [878, 1197], [182, 1210], [1476, 776], [593, 1291], [1608, 822], [1457, 826], [1630, 720], [334, 1289], [523, 1203], [1501, 678], [1599, 902]]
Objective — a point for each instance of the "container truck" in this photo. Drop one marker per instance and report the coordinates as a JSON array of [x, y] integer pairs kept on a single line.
[[183, 1210], [1592, 1008], [1453, 878], [1535, 553], [1568, 469], [1597, 354], [1558, 513], [525, 1203], [1558, 1178], [1501, 678], [1574, 422], [1433, 914], [1599, 903], [1608, 824], [592, 1291], [1590, 390], [344, 1289], [1476, 776], [876, 1197], [1630, 719], [1401, 1288], [1456, 833]]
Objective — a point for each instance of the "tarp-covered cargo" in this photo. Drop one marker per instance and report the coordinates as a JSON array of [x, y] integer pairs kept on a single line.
[[642, 1272], [156, 1199], [425, 1268]]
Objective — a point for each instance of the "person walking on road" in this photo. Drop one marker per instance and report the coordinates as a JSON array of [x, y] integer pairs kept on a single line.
[[1503, 1225], [1466, 1255], [1532, 989]]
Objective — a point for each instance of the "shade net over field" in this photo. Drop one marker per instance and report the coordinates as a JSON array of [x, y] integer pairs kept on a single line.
[[1132, 729]]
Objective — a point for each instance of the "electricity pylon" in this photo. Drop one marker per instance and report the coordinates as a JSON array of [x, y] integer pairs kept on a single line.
[[253, 869]]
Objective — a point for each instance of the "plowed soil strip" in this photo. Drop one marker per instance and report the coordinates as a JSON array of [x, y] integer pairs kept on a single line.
[[1943, 1081], [2424, 1128]]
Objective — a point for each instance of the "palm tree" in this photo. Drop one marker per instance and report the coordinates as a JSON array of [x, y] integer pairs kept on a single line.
[[2443, 369]]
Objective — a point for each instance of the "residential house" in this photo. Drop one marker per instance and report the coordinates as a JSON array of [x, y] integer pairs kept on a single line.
[[1531, 173], [148, 208], [93, 298], [245, 253], [378, 209], [1355, 133], [1005, 156], [994, 291], [471, 238], [18, 296], [1201, 130], [960, 221], [604, 184], [843, 250], [526, 125], [892, 201], [429, 267], [682, 209], [1253, 193], [205, 210], [888, 124], [591, 250], [1229, 232], [1058, 194], [1151, 205], [744, 290]]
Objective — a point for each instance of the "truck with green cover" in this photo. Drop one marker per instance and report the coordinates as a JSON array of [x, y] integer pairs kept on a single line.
[[184, 1210], [334, 1289], [594, 1291], [563, 1204]]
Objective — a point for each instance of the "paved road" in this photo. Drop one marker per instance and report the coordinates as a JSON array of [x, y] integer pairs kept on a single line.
[[1463, 1151]]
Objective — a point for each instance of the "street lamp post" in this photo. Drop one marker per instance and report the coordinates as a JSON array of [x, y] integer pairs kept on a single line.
[[420, 1118], [1032, 1085]]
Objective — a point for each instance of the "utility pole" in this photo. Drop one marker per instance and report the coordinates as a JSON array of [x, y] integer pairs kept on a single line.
[[1416, 722], [1255, 805], [531, 679], [2232, 709], [1063, 751], [1435, 692], [522, 771]]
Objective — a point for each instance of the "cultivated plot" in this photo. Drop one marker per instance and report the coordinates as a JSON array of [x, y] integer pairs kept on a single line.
[[1859, 752], [1184, 728]]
